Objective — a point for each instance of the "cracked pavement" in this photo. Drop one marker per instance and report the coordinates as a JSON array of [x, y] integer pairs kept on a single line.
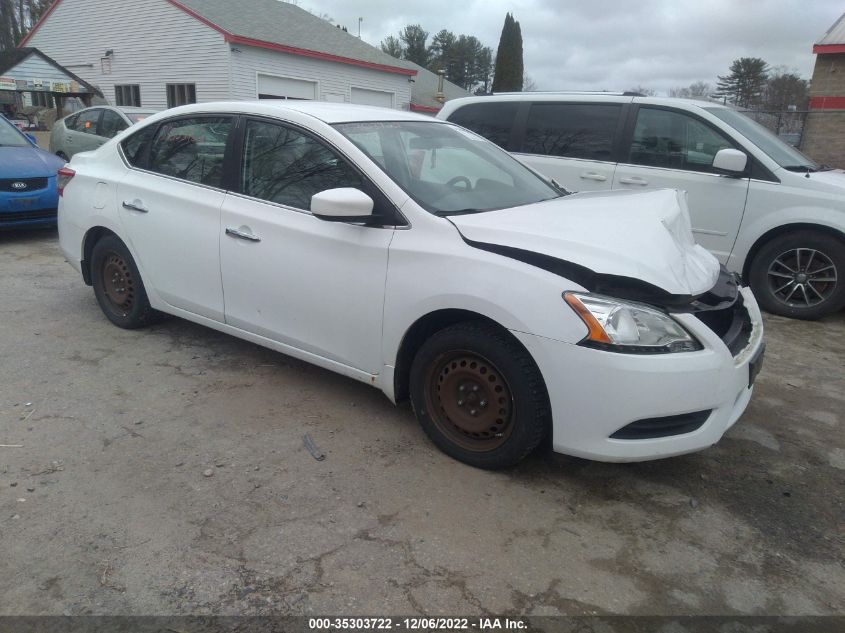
[[105, 508]]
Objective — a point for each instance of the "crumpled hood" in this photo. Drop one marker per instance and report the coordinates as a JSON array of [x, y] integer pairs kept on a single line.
[[646, 236], [28, 162]]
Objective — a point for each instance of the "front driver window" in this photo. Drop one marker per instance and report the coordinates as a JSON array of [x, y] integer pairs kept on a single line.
[[663, 138], [285, 166], [111, 124], [192, 149]]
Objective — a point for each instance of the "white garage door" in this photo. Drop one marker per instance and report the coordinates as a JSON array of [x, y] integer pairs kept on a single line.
[[272, 87], [372, 97]]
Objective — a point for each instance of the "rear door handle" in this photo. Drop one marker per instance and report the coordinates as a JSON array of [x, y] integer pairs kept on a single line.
[[591, 175], [242, 235], [135, 205], [633, 180]]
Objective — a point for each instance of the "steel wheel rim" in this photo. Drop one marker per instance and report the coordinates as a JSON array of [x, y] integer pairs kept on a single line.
[[802, 277], [470, 401], [118, 283]]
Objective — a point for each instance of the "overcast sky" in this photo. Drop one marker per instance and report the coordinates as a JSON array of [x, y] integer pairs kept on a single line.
[[614, 44]]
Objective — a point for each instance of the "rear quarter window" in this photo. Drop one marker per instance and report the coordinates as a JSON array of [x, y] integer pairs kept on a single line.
[[494, 121]]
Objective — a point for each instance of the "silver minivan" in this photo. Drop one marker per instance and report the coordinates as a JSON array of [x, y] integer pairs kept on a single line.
[[760, 206]]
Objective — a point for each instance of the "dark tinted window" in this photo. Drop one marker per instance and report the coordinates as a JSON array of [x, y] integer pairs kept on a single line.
[[111, 124], [574, 130], [492, 120], [664, 138], [134, 147], [285, 166], [192, 149]]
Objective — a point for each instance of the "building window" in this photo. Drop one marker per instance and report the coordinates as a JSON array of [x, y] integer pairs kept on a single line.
[[42, 99], [181, 94], [128, 95]]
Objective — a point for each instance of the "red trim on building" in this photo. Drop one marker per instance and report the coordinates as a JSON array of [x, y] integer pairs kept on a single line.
[[292, 50], [197, 16], [39, 23], [422, 108], [826, 49], [827, 103]]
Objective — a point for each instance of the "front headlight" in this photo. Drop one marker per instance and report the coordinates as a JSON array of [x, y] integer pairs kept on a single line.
[[624, 326]]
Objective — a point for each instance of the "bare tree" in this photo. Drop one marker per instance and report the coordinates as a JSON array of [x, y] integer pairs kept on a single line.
[[528, 84]]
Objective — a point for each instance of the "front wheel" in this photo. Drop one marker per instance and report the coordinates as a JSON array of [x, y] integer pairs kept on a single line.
[[800, 275], [479, 396]]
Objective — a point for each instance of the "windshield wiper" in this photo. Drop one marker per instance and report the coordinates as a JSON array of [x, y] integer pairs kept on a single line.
[[444, 214], [801, 168]]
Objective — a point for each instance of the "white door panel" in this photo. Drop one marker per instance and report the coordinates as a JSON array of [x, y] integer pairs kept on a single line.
[[573, 174], [716, 203], [305, 282], [174, 229], [671, 149]]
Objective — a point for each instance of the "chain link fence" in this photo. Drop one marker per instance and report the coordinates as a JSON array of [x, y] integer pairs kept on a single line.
[[787, 125]]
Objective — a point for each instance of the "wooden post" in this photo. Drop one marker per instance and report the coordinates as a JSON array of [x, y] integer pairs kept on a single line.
[[60, 102]]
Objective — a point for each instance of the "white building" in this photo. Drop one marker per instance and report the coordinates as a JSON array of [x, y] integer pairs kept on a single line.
[[164, 53]]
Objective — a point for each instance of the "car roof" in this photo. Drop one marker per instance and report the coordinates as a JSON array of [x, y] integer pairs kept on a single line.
[[583, 97], [321, 110]]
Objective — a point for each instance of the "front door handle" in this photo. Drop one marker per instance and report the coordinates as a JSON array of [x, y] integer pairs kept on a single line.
[[135, 205], [591, 175], [633, 180], [242, 235]]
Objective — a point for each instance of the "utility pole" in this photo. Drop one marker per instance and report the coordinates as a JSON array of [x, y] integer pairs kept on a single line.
[[359, 27]]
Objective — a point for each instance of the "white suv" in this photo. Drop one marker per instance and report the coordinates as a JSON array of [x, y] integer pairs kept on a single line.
[[420, 258], [764, 209]]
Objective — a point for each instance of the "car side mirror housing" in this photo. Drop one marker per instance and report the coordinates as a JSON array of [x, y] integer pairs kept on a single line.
[[730, 162], [344, 204]]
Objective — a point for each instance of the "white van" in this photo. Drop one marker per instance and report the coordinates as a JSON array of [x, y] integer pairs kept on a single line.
[[760, 206]]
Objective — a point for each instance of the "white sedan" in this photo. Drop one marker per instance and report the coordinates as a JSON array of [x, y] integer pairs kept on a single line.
[[418, 257]]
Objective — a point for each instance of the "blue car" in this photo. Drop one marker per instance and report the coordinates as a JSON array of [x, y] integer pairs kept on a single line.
[[28, 194]]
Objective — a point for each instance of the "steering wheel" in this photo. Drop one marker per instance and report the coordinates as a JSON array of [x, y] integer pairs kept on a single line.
[[457, 179]]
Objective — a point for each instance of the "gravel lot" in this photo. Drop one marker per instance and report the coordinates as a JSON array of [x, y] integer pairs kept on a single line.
[[106, 509]]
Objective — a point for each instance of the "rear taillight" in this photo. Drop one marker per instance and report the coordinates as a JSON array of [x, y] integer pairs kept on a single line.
[[65, 175]]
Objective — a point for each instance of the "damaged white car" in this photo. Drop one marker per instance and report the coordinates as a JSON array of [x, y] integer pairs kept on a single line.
[[422, 259]]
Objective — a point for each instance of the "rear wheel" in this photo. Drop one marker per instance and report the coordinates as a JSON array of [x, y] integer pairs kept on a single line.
[[479, 395], [800, 275], [118, 286]]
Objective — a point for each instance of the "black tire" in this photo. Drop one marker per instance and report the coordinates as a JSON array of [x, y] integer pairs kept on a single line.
[[800, 275], [484, 429], [118, 286]]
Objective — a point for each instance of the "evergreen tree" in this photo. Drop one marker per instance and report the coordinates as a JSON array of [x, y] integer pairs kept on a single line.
[[509, 65], [414, 43], [392, 46], [745, 84]]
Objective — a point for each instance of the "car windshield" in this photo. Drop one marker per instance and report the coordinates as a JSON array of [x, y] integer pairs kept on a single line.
[[783, 154], [446, 169], [9, 135]]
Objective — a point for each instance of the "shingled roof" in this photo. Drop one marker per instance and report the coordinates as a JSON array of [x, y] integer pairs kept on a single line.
[[288, 26]]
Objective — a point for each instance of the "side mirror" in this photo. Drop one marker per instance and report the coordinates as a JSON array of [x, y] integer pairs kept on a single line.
[[32, 138], [730, 162], [344, 204]]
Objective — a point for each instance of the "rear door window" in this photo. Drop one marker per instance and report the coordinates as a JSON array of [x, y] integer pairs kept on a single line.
[[572, 130], [192, 149], [87, 121], [494, 121]]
